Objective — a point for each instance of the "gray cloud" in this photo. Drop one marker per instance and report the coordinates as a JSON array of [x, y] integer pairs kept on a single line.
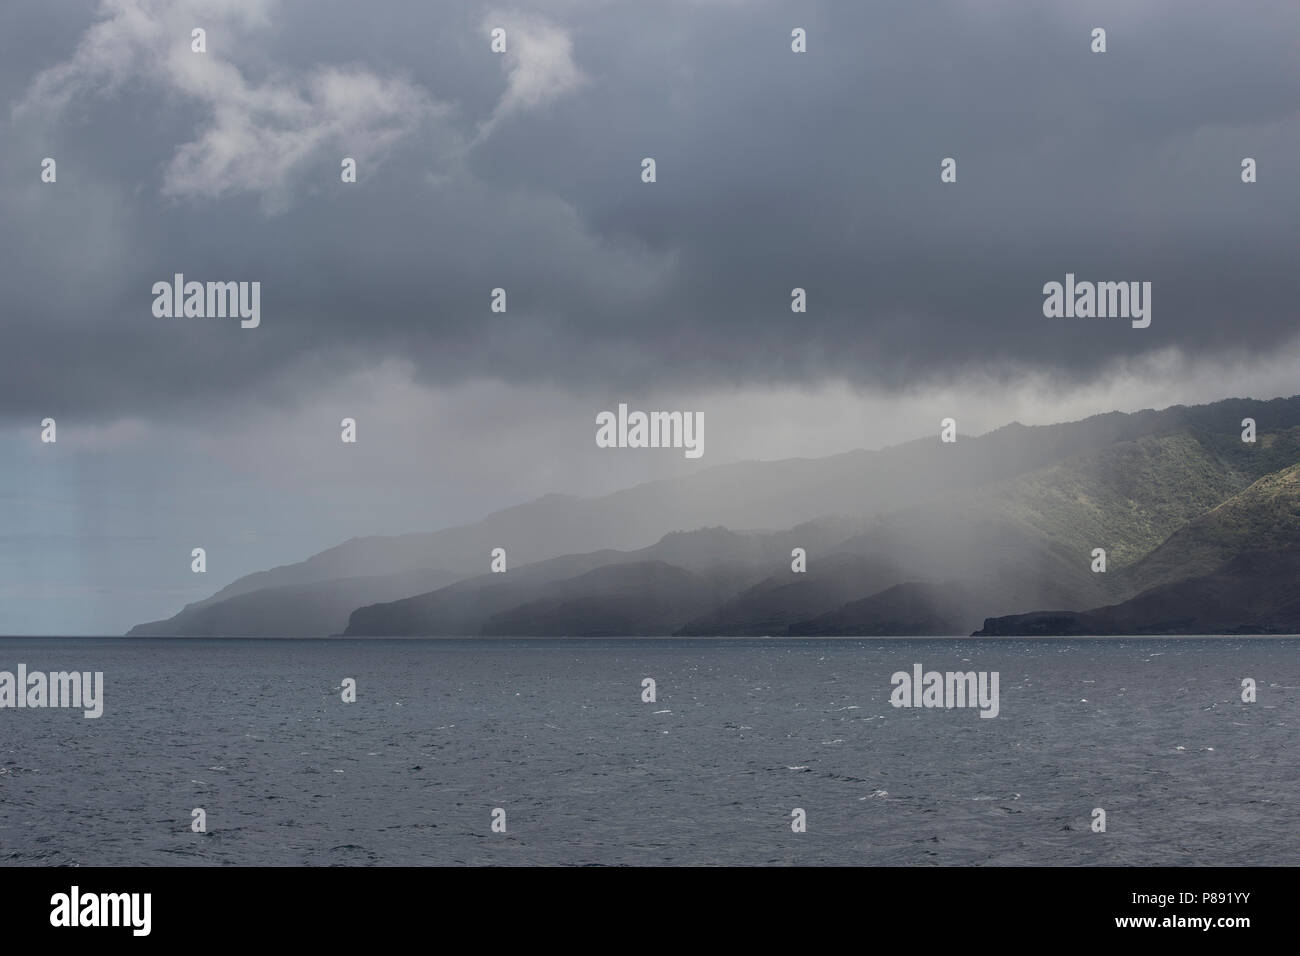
[[775, 170]]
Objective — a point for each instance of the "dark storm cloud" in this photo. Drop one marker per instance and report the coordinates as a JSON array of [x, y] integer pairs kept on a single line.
[[775, 170]]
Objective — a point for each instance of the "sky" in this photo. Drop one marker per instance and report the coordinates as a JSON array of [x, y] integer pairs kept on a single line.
[[522, 170]]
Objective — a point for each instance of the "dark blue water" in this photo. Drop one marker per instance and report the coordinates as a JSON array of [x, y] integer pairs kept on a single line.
[[743, 731]]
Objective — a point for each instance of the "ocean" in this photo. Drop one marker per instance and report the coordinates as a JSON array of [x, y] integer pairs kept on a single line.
[[553, 740]]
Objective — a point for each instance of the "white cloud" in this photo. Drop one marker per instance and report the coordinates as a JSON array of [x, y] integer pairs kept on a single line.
[[539, 61], [253, 136]]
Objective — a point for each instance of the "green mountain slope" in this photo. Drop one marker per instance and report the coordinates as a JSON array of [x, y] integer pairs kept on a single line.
[[1234, 569]]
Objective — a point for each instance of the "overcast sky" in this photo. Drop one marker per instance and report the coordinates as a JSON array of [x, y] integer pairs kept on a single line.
[[523, 171]]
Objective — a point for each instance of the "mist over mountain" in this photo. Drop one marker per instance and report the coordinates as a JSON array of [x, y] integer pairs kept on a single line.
[[911, 608], [922, 538], [713, 564]]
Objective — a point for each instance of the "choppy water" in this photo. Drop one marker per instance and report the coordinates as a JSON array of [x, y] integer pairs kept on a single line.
[[555, 732]]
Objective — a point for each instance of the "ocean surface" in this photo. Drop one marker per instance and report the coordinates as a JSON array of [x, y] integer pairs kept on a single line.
[[555, 733]]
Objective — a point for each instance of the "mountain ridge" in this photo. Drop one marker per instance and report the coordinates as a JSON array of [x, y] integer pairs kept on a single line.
[[1025, 480]]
